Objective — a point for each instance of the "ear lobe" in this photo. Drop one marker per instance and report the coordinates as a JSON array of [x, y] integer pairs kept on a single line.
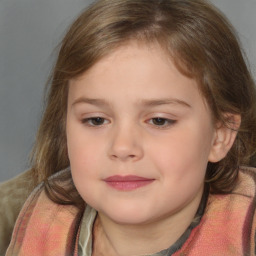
[[225, 135]]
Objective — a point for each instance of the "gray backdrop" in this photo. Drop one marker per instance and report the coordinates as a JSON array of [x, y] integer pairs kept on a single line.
[[29, 32]]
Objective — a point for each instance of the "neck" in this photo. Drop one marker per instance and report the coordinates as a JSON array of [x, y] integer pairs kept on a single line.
[[111, 238]]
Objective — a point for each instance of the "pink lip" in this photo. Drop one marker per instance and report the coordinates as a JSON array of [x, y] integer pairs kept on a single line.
[[127, 183]]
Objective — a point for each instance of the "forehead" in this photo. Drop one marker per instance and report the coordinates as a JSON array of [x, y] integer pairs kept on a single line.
[[138, 71]]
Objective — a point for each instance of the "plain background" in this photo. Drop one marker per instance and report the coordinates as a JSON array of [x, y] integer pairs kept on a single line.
[[30, 30]]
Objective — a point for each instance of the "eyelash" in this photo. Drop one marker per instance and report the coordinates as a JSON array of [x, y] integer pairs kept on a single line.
[[89, 121], [164, 122], [167, 122]]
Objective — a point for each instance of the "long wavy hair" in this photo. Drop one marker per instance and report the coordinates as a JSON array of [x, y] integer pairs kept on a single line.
[[202, 44]]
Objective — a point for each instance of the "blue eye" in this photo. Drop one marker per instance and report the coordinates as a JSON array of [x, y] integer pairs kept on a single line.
[[94, 121], [161, 122]]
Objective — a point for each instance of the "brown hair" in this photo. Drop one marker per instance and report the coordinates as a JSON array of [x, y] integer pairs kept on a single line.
[[199, 40]]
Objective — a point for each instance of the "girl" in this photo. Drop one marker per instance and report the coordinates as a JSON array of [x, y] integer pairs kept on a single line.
[[150, 117]]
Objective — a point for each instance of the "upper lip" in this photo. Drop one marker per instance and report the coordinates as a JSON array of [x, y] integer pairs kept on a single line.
[[126, 178]]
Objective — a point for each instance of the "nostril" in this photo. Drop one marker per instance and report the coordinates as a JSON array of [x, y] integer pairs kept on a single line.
[[128, 156]]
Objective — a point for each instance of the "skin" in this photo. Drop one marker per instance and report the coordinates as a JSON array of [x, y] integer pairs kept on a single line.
[[128, 90]]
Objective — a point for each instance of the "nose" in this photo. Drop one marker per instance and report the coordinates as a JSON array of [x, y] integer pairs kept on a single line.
[[126, 144]]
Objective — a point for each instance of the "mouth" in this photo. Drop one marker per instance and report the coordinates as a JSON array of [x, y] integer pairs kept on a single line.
[[127, 183]]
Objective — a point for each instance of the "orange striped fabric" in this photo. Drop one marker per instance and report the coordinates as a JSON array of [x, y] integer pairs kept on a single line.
[[226, 228]]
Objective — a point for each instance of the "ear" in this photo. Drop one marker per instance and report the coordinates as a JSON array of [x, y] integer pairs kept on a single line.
[[225, 135]]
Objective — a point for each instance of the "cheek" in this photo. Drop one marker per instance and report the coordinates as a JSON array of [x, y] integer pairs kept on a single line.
[[84, 163], [83, 158], [83, 152], [182, 154], [81, 146]]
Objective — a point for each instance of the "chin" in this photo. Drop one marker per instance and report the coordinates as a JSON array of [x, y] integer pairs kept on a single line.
[[121, 220], [128, 217]]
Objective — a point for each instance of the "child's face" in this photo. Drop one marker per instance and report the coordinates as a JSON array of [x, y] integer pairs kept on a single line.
[[139, 136]]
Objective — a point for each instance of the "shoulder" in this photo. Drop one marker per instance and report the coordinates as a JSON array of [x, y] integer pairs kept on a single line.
[[51, 222], [248, 188], [246, 182], [15, 191], [38, 198], [233, 215], [241, 199], [13, 194]]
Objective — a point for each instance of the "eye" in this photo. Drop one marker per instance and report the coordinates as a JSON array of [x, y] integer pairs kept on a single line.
[[95, 121], [161, 122]]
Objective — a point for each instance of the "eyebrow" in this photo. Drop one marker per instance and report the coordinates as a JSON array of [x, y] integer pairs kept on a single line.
[[91, 101], [166, 101], [144, 102]]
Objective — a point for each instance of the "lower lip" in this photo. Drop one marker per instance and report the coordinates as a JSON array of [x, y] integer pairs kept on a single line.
[[128, 185]]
